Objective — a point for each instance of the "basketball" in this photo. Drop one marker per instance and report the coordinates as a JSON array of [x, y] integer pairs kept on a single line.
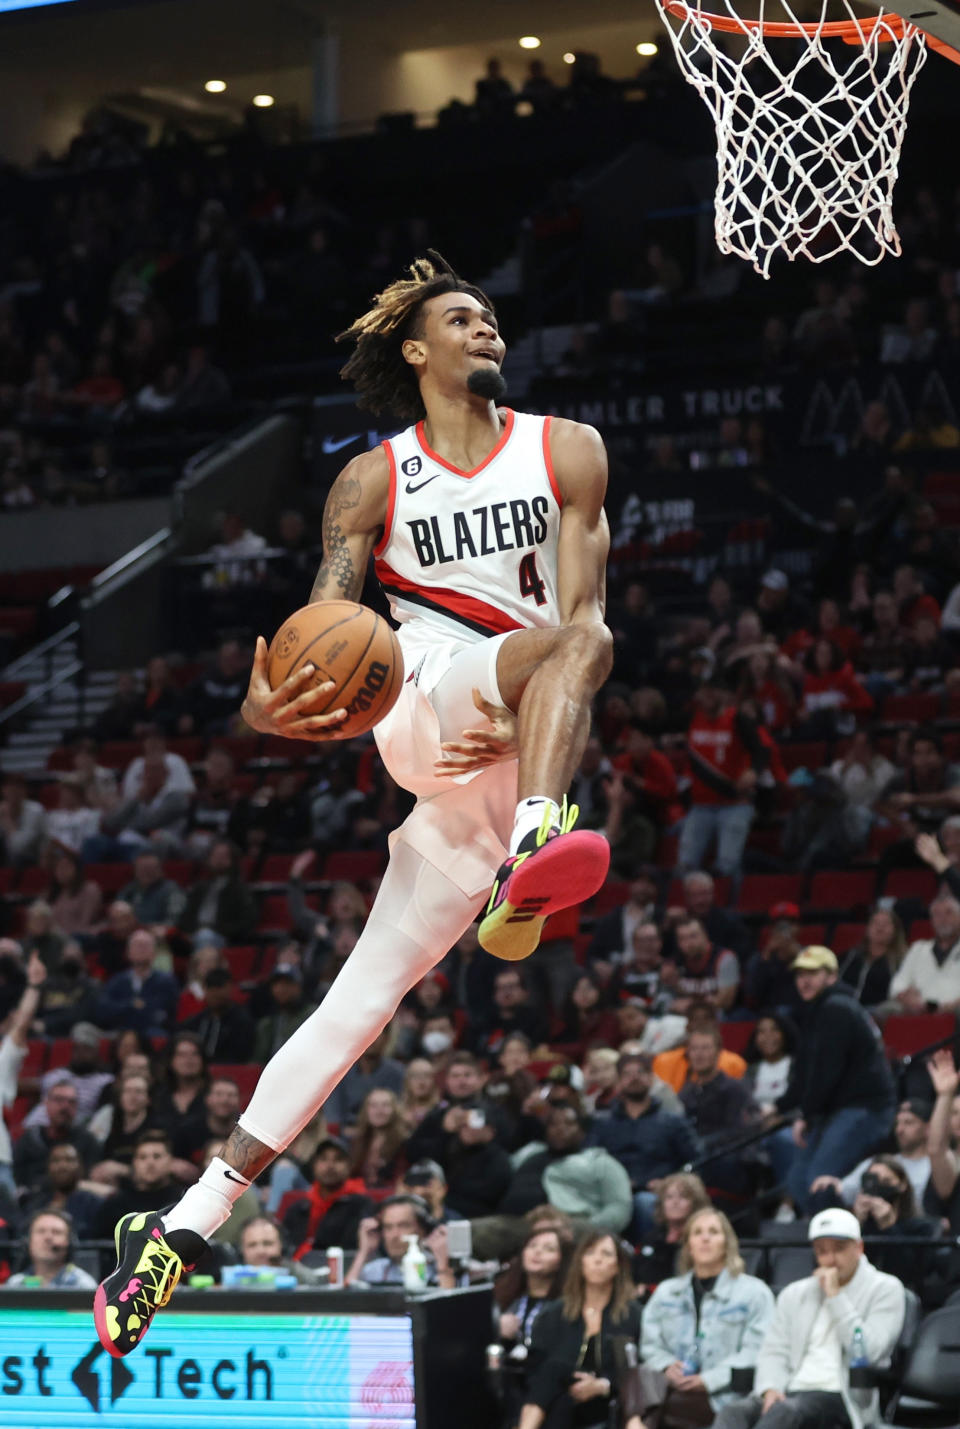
[[352, 646]]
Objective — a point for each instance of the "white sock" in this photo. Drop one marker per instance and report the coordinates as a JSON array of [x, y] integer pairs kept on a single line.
[[529, 817], [204, 1207]]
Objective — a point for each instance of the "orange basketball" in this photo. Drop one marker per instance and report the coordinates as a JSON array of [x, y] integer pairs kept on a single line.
[[352, 646]]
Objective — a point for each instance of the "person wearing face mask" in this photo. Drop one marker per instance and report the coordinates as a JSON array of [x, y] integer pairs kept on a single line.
[[700, 1325]]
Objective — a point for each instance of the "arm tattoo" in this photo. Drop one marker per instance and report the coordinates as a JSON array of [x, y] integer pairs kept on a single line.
[[337, 564], [246, 1154]]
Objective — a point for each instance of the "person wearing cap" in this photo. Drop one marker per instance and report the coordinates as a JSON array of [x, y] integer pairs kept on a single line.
[[768, 980], [911, 1131], [647, 1141], [840, 1083], [802, 1378], [290, 1009], [84, 1072], [426, 1178], [330, 1211]]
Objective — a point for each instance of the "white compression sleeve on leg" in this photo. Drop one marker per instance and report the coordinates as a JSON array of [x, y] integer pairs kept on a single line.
[[418, 916]]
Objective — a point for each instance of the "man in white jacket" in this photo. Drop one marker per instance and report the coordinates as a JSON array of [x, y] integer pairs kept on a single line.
[[13, 1050], [846, 1310]]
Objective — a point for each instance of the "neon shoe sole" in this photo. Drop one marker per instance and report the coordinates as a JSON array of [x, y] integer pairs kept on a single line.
[[567, 870], [118, 1336]]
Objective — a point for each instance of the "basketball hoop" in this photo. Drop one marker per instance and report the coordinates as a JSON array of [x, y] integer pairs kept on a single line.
[[810, 118]]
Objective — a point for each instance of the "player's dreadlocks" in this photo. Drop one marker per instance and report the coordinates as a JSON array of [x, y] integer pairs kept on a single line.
[[385, 383]]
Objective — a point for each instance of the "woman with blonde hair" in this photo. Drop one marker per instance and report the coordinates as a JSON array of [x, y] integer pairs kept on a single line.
[[870, 967], [679, 1196], [700, 1325], [576, 1350], [420, 1092]]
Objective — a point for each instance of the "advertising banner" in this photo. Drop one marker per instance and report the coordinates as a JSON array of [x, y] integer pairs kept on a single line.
[[210, 1370]]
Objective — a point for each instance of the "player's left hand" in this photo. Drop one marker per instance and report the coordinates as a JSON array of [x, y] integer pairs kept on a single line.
[[479, 748]]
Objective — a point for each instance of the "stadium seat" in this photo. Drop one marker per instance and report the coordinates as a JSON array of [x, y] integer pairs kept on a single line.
[[242, 962], [931, 1375], [33, 882], [912, 709], [846, 936], [907, 1035], [759, 891], [275, 868], [812, 756], [110, 876], [613, 894], [61, 1050], [34, 1063], [15, 1114], [245, 1074], [918, 883], [812, 934], [181, 870], [920, 928], [274, 914], [565, 924], [843, 892], [354, 865], [736, 1035]]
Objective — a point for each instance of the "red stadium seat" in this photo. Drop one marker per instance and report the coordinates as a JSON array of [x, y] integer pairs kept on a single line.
[[181, 870], [35, 1062], [613, 894], [15, 1114], [110, 876], [847, 936], [736, 1035], [241, 962], [276, 868], [912, 709], [33, 882], [274, 913], [812, 934], [920, 928], [907, 1035], [245, 1074], [759, 891], [61, 1050], [355, 866], [846, 892], [918, 883], [565, 924], [804, 756]]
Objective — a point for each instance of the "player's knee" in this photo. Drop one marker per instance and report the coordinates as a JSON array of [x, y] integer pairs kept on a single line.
[[589, 648]]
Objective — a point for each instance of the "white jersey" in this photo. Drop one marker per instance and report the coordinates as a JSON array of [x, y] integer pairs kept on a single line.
[[472, 553]]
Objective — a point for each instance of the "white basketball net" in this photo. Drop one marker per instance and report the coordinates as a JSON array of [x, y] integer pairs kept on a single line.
[[809, 127]]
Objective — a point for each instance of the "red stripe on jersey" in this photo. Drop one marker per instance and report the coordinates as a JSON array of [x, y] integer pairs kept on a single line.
[[548, 461], [475, 613], [504, 438], [381, 545]]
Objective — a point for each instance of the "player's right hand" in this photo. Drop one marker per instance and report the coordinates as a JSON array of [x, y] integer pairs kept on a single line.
[[291, 709]]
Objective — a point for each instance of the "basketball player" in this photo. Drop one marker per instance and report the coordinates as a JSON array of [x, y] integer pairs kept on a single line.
[[489, 537]]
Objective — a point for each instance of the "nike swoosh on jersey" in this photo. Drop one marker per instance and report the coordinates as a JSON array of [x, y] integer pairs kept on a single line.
[[410, 488], [328, 446]]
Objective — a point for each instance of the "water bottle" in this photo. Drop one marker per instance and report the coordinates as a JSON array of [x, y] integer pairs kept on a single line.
[[414, 1266], [861, 1391], [691, 1360]]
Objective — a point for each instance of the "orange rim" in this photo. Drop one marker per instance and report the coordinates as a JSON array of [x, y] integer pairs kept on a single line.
[[852, 32]]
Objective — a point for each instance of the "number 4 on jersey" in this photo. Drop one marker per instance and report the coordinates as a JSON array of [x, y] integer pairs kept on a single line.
[[530, 582]]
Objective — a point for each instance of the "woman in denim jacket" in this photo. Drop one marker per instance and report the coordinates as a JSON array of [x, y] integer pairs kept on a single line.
[[702, 1324]]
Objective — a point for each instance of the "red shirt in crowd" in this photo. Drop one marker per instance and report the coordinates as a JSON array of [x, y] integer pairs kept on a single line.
[[834, 690], [718, 740], [659, 780]]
